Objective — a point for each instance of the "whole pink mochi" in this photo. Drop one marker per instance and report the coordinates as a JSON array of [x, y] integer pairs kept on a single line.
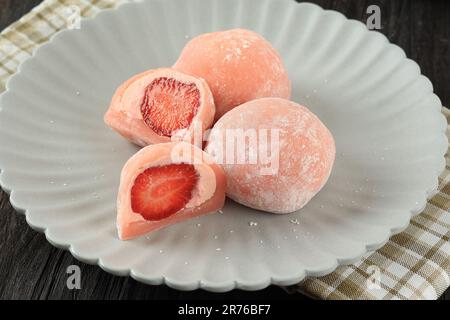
[[289, 170], [239, 65]]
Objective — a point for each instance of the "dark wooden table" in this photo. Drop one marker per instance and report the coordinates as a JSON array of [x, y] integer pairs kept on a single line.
[[30, 268]]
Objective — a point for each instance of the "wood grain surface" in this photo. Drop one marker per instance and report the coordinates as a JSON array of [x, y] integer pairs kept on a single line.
[[31, 268]]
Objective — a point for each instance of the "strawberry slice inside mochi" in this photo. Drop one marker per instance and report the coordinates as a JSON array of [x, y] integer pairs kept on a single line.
[[169, 105], [166, 183], [161, 191]]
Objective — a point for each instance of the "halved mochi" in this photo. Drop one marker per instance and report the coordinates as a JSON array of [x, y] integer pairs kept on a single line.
[[166, 183], [158, 105]]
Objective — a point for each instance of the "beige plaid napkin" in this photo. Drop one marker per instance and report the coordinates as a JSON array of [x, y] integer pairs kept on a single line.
[[412, 265]]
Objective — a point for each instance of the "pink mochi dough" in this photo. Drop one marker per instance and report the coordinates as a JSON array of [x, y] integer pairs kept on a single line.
[[239, 65], [301, 161]]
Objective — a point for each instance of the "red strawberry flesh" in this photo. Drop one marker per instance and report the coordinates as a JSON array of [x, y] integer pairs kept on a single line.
[[159, 192], [169, 105]]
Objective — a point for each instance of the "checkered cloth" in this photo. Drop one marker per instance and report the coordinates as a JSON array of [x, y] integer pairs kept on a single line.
[[412, 265]]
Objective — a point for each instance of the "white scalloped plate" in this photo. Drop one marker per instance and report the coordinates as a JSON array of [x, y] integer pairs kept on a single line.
[[61, 164]]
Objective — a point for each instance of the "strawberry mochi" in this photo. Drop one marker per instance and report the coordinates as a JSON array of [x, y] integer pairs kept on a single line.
[[161, 105], [166, 183], [239, 65], [286, 154]]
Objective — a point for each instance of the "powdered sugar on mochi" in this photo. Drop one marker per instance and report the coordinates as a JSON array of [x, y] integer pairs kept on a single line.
[[306, 156], [239, 65]]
